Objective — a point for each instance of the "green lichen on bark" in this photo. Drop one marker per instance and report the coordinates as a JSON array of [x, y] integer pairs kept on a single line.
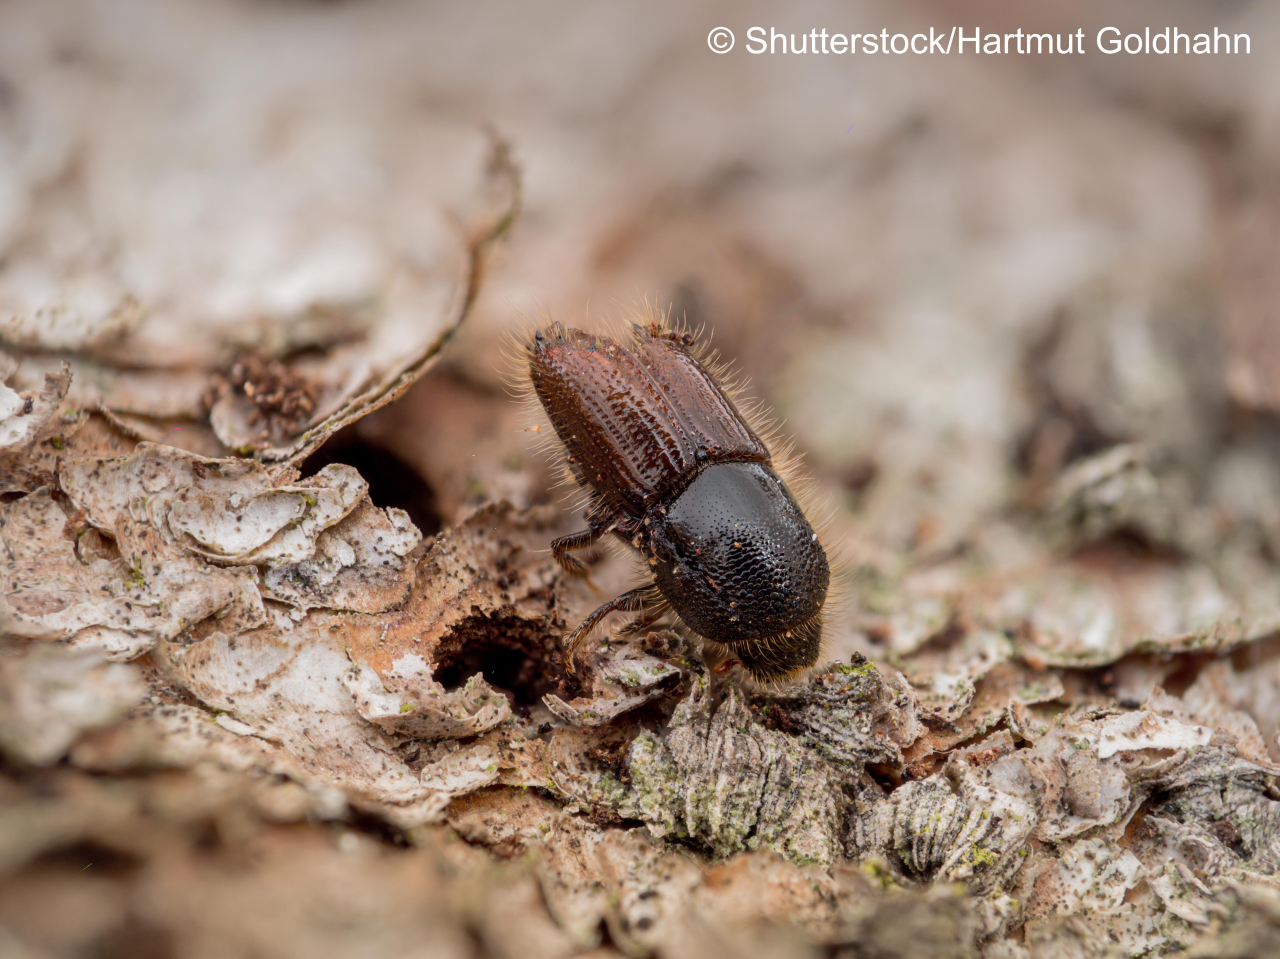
[[720, 778], [851, 715]]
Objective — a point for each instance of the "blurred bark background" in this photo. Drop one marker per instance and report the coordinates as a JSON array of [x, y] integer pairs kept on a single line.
[[280, 671]]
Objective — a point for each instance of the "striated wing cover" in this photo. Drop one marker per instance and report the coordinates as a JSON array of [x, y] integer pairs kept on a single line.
[[635, 420]]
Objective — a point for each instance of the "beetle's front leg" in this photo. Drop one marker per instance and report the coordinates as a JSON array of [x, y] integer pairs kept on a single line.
[[631, 601], [562, 546], [597, 525]]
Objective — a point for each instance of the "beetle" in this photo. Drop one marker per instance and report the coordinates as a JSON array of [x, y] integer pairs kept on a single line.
[[672, 468]]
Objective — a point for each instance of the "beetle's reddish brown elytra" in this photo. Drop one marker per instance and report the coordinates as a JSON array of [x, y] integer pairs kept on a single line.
[[673, 469]]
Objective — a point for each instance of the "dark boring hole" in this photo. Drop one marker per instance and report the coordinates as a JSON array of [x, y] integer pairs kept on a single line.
[[90, 857], [392, 481], [1249, 655], [376, 827], [1126, 548], [1104, 678], [1186, 670], [886, 775], [522, 656], [1058, 439], [1227, 833]]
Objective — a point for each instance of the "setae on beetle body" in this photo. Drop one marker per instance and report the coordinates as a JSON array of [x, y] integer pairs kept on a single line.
[[673, 469]]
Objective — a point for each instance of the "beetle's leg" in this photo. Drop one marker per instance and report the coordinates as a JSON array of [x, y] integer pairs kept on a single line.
[[599, 522], [643, 621], [651, 609], [631, 601], [564, 545]]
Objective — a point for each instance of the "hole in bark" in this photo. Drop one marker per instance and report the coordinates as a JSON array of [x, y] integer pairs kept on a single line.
[[522, 656], [1186, 670], [1249, 655], [886, 776], [392, 481], [1124, 551], [90, 857]]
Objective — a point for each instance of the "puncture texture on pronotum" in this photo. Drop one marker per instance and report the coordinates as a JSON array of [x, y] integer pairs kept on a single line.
[[672, 467]]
